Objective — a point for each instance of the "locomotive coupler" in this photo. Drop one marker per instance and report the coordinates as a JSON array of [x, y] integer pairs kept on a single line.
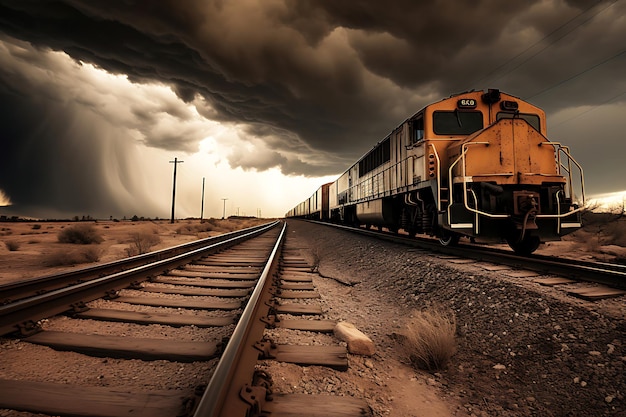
[[525, 209]]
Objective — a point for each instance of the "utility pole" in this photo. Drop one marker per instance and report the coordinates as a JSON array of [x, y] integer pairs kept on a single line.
[[202, 204], [224, 212], [175, 162]]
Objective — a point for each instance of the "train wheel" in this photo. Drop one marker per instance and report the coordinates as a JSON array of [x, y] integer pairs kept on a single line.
[[448, 238], [525, 246]]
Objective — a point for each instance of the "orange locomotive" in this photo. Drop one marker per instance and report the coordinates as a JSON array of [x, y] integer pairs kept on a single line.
[[476, 164]]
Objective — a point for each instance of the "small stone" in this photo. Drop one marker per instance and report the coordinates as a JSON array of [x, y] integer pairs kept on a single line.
[[358, 342], [611, 349], [499, 366], [583, 383], [609, 399], [576, 380], [595, 353]]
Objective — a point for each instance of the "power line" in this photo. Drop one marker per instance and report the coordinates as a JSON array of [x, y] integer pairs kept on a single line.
[[224, 212], [588, 110], [175, 162], [534, 44], [549, 44], [577, 75]]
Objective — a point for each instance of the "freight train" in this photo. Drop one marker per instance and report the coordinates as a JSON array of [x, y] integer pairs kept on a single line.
[[477, 164]]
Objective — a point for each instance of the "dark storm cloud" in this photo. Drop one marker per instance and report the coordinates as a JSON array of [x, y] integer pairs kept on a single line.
[[66, 170], [324, 77], [266, 62]]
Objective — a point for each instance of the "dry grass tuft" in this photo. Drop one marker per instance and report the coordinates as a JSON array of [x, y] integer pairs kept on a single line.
[[217, 226], [142, 242], [83, 234], [315, 252], [429, 338], [617, 233], [12, 245], [65, 258]]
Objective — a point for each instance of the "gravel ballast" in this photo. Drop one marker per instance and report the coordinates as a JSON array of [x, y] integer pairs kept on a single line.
[[522, 349]]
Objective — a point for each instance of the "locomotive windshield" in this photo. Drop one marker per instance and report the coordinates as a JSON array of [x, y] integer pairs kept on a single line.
[[457, 122], [532, 119]]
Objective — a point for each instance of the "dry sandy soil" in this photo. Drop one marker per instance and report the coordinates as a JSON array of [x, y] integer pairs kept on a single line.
[[37, 242], [522, 349]]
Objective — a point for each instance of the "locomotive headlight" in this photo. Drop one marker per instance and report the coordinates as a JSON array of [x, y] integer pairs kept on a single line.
[[509, 105], [431, 165]]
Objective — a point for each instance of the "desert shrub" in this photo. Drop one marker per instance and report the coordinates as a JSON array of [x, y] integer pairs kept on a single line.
[[187, 229], [12, 245], [194, 229], [141, 242], [617, 234], [218, 225], [36, 226], [83, 234], [592, 242], [429, 338], [64, 257]]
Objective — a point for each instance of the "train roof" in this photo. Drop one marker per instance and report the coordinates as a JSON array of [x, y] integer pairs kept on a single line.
[[482, 93]]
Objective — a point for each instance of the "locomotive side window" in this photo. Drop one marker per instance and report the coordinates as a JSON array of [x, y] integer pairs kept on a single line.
[[532, 119], [417, 130], [377, 156], [457, 122]]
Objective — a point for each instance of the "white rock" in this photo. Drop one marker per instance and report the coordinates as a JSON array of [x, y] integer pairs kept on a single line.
[[358, 342]]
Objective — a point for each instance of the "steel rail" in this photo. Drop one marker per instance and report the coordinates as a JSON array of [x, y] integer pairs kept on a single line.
[[17, 315], [34, 286], [235, 369], [613, 275]]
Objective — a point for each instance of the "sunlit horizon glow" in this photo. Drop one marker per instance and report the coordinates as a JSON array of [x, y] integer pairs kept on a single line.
[[204, 145], [4, 199], [608, 201]]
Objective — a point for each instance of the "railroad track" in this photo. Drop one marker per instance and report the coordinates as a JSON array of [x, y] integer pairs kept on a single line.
[[25, 288], [606, 274], [178, 336]]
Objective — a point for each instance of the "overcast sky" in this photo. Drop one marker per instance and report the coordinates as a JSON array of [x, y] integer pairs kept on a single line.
[[269, 99]]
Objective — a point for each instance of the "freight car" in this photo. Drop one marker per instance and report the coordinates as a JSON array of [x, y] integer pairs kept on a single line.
[[315, 207], [477, 164]]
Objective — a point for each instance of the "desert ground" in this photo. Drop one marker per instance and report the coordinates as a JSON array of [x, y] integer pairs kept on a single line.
[[471, 385], [32, 249]]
